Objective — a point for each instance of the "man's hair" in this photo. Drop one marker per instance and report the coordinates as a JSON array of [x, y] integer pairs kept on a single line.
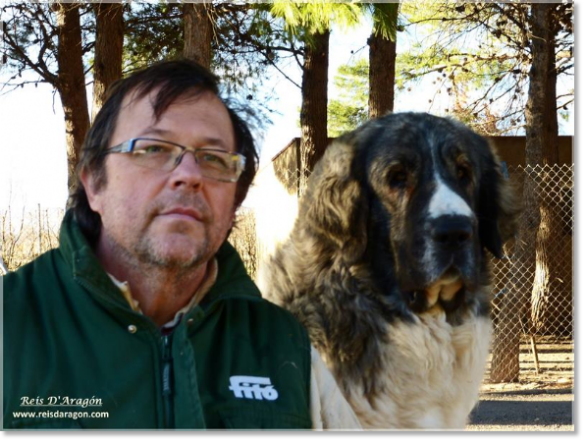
[[175, 80]]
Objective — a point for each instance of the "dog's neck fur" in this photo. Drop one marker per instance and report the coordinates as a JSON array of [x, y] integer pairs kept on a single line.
[[373, 368], [367, 315]]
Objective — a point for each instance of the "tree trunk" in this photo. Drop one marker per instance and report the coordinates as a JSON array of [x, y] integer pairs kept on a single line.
[[198, 33], [541, 114], [530, 257], [547, 127], [314, 104], [109, 41], [382, 75], [71, 83]]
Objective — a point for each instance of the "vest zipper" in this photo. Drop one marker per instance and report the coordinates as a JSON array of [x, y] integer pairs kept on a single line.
[[167, 381]]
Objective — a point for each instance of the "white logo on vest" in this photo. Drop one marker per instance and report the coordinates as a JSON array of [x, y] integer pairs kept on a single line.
[[252, 387]]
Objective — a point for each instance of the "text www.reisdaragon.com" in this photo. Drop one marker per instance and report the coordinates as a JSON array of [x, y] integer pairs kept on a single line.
[[60, 414]]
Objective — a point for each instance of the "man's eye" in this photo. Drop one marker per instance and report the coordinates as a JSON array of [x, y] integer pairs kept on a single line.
[[154, 148], [213, 160]]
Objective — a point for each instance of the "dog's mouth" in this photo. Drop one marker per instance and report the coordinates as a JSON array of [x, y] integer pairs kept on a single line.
[[447, 291], [445, 288]]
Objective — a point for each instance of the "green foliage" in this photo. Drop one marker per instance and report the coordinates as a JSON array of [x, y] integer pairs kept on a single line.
[[246, 41], [316, 16], [478, 53], [154, 32], [385, 18], [350, 108]]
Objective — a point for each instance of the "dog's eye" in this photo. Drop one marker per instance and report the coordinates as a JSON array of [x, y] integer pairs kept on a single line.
[[397, 178], [463, 173]]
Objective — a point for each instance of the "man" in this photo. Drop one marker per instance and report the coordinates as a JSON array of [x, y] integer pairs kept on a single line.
[[144, 317]]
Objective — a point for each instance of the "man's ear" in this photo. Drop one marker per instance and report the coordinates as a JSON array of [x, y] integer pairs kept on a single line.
[[89, 184]]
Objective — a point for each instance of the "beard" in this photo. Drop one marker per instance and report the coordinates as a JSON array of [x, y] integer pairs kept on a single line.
[[168, 245], [149, 251]]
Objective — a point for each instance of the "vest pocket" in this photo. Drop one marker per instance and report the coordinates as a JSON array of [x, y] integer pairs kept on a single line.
[[247, 418]]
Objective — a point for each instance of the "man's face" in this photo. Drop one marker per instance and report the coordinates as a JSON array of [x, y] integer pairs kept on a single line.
[[175, 219]]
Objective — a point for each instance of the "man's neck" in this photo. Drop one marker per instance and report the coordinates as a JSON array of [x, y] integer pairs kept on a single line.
[[160, 292]]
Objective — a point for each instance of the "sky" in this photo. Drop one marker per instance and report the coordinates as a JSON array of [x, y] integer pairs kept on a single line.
[[32, 141]]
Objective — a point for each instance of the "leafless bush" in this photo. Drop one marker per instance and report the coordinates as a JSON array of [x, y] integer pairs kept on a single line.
[[26, 234]]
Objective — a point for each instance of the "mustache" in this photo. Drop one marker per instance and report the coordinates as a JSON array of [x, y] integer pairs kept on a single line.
[[188, 201]]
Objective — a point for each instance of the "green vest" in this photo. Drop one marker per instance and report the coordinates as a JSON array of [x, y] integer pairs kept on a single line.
[[77, 356]]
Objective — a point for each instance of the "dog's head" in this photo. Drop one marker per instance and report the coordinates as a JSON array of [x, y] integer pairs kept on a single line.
[[421, 199]]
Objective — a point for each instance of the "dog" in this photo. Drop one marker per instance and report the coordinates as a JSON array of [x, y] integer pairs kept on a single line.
[[388, 267]]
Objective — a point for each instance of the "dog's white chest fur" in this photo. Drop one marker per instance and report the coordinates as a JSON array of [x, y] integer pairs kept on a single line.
[[433, 372]]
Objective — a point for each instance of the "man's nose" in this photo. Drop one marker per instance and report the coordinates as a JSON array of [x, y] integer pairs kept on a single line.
[[187, 172]]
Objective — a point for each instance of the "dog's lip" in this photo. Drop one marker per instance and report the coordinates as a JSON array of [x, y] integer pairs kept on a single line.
[[445, 287], [183, 212], [444, 290]]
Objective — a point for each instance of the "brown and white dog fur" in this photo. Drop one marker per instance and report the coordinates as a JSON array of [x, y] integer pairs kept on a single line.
[[388, 268]]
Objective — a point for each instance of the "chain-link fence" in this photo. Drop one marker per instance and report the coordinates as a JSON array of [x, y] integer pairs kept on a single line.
[[533, 284]]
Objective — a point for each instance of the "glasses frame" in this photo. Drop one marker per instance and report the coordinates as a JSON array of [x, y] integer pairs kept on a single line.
[[238, 159]]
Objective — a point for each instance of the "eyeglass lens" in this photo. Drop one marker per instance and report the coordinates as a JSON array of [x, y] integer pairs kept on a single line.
[[160, 155]]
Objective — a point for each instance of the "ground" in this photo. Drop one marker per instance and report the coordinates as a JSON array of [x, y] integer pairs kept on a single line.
[[541, 401]]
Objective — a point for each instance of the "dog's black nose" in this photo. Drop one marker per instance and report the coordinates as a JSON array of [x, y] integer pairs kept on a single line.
[[451, 232]]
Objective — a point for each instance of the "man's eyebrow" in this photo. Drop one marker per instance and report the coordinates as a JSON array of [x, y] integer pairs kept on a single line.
[[215, 142], [154, 131]]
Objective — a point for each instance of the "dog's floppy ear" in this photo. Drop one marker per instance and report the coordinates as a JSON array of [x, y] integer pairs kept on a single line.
[[334, 205], [498, 206]]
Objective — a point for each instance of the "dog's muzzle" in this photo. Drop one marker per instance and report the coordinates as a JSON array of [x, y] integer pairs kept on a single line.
[[451, 264], [451, 234]]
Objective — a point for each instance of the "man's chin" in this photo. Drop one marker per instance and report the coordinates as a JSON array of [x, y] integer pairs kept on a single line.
[[178, 224], [175, 252]]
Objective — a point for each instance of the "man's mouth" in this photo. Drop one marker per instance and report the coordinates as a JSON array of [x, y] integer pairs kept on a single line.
[[184, 213]]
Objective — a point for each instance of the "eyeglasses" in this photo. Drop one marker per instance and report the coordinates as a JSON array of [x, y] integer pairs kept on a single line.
[[164, 155]]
